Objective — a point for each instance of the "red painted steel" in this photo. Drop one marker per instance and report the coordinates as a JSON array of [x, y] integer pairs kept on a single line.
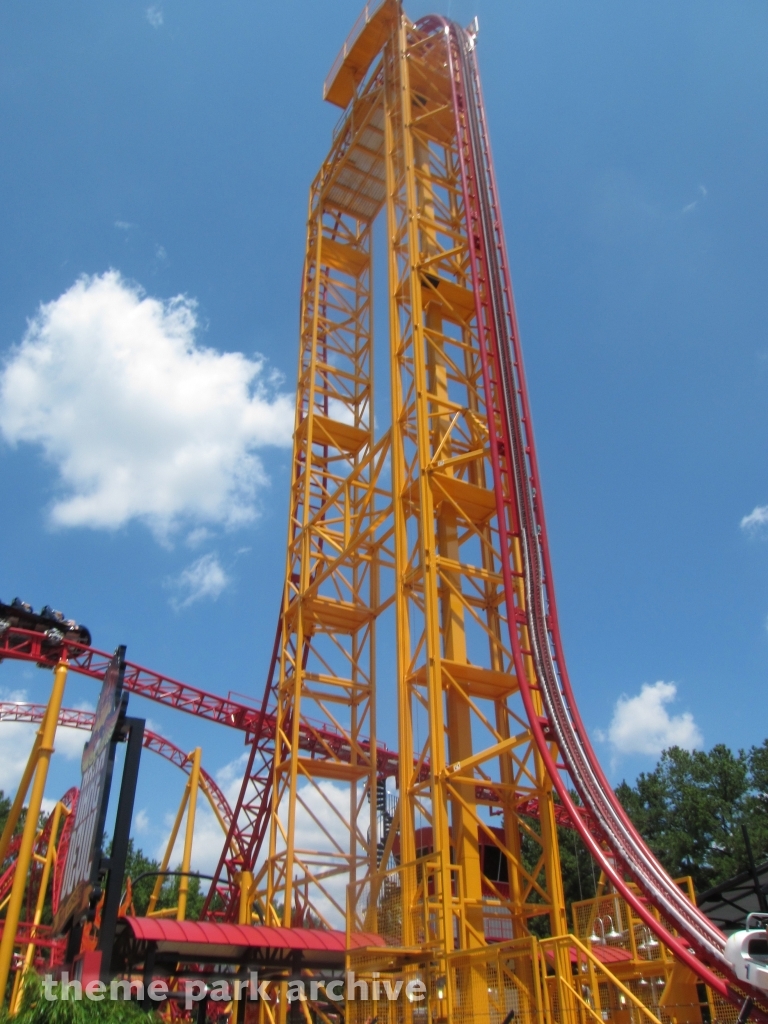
[[209, 933], [316, 740], [72, 795], [520, 512], [73, 718], [27, 931], [15, 711], [694, 941]]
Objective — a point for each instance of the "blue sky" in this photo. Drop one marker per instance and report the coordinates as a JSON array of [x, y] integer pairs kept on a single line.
[[174, 144]]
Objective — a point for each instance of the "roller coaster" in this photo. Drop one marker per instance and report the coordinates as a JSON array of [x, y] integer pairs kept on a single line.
[[418, 572]]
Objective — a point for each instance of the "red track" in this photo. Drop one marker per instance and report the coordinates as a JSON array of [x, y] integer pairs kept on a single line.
[[521, 521], [27, 931], [70, 718], [26, 645]]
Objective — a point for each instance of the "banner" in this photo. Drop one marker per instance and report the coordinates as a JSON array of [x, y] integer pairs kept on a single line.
[[81, 872]]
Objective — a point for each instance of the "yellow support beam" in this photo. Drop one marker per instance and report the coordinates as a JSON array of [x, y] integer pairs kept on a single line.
[[44, 752], [48, 862], [186, 860]]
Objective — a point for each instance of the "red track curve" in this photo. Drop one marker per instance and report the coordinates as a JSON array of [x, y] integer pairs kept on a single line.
[[27, 645], [521, 519], [71, 718]]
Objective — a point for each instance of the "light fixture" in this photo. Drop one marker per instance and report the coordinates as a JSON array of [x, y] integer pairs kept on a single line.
[[440, 987], [648, 943], [613, 934]]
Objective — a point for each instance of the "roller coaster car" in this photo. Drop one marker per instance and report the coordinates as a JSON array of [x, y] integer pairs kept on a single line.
[[747, 951], [48, 620]]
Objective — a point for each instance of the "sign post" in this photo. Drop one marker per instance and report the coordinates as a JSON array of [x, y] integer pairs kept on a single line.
[[133, 729]]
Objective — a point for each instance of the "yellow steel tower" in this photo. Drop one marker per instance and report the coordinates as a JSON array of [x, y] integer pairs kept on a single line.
[[406, 519], [418, 580]]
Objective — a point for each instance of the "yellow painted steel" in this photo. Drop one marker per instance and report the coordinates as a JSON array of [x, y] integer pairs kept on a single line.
[[24, 859], [394, 533], [245, 914], [186, 860], [188, 803], [323, 819], [416, 538], [48, 862], [21, 795]]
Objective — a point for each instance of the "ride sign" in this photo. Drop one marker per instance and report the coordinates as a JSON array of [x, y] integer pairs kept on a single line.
[[81, 872]]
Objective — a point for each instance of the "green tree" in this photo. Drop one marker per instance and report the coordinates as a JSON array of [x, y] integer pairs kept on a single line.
[[5, 807], [576, 866], [36, 1009], [143, 872], [169, 895], [137, 864], [690, 810]]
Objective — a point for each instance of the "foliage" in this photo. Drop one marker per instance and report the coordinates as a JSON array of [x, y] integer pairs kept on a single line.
[[5, 807], [576, 866], [36, 1009], [136, 865], [143, 872], [691, 807], [169, 895]]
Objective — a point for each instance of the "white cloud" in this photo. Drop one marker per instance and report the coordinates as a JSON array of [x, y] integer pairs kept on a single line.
[[203, 578], [207, 840], [690, 207], [230, 777], [756, 519], [197, 537], [642, 724], [154, 16], [329, 804], [140, 420], [141, 822], [16, 739]]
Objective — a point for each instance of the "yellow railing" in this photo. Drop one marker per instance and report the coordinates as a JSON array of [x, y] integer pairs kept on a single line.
[[581, 990], [362, 20]]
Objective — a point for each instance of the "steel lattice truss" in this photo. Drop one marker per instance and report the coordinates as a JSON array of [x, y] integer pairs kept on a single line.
[[437, 522], [428, 532]]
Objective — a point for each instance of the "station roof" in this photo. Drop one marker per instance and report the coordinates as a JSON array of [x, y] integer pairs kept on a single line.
[[208, 941]]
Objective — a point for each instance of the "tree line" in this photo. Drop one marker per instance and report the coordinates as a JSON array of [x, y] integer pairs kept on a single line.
[[691, 810]]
